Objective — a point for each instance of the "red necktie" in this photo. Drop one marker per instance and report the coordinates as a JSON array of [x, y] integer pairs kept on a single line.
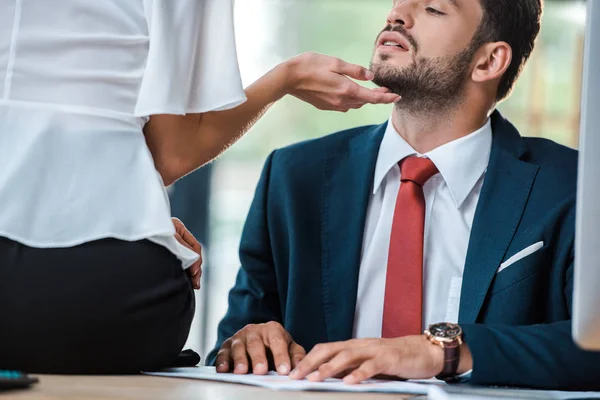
[[403, 303]]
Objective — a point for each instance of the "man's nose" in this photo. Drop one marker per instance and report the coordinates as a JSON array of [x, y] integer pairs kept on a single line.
[[402, 14]]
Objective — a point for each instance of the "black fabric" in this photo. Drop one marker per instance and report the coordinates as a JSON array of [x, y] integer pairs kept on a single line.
[[186, 359], [104, 307]]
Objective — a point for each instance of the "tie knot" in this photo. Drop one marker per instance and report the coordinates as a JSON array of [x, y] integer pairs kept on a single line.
[[417, 169]]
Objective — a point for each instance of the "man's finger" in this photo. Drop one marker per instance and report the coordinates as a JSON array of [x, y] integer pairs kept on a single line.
[[354, 71], [224, 358], [373, 96], [319, 355], [344, 373], [297, 354], [255, 347], [367, 370], [238, 354], [279, 346], [343, 361]]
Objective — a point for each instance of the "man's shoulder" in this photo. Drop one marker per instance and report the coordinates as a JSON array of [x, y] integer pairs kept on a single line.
[[557, 168], [552, 157]]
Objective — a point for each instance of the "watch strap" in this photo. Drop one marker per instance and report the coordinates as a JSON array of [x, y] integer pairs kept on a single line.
[[451, 359]]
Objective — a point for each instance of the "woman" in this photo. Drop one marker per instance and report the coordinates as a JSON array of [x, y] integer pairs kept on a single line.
[[91, 267]]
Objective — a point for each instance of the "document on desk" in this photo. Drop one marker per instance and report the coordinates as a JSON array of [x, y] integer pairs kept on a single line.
[[431, 389], [283, 383]]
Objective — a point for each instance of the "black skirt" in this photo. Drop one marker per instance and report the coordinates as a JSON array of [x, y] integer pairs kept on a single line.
[[105, 307]]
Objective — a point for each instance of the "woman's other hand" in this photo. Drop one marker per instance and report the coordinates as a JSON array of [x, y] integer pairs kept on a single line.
[[184, 237], [324, 82]]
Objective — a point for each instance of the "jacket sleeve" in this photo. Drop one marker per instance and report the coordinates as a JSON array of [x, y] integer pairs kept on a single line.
[[539, 356], [254, 298]]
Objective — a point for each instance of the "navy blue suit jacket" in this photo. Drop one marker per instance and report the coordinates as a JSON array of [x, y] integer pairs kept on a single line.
[[301, 249]]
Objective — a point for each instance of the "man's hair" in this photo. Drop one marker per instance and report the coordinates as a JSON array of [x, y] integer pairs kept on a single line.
[[516, 22]]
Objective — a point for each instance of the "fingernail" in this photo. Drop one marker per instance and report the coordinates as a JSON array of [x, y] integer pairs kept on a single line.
[[259, 367], [369, 75], [222, 365], [293, 373], [239, 368], [283, 369], [350, 379]]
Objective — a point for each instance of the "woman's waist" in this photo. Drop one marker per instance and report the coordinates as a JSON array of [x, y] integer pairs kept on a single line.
[[59, 185], [42, 218]]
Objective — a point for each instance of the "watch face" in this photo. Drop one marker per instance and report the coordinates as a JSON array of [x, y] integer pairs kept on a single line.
[[445, 330]]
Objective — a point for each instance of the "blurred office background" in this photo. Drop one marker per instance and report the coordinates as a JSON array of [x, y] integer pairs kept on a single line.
[[214, 201]]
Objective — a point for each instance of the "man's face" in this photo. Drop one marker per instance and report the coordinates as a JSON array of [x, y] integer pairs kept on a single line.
[[424, 53]]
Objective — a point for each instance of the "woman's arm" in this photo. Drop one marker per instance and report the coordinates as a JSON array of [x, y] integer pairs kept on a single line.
[[181, 144]]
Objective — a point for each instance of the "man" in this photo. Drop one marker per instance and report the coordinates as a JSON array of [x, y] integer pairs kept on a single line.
[[444, 214]]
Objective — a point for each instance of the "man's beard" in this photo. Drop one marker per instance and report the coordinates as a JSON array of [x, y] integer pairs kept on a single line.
[[427, 85]]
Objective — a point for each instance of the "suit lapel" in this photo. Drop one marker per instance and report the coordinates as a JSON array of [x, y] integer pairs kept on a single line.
[[501, 205], [349, 175]]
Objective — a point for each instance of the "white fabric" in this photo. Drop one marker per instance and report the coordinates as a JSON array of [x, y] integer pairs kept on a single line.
[[529, 250], [451, 198], [78, 80]]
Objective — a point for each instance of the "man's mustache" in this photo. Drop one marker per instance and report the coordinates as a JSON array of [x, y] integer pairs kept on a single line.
[[401, 30]]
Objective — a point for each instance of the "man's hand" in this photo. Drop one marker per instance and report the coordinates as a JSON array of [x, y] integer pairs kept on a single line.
[[411, 357], [184, 237], [250, 347]]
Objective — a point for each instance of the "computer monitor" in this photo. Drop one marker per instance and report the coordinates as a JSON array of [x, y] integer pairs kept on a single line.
[[586, 299]]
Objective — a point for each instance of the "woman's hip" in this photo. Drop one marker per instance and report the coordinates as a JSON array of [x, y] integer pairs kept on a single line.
[[104, 306]]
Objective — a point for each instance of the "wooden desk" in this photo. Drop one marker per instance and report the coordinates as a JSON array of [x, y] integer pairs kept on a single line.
[[53, 387]]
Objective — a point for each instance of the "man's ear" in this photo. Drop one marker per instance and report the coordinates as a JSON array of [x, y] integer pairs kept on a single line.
[[493, 59]]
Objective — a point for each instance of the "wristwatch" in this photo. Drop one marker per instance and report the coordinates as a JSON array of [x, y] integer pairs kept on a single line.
[[449, 337]]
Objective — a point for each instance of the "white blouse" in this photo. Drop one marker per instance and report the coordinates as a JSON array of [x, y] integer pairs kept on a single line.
[[78, 81]]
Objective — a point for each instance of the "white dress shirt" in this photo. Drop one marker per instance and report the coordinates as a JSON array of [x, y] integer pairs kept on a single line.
[[78, 81], [451, 198]]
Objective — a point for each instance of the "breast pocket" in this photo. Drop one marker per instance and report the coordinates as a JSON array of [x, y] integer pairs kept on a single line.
[[521, 270]]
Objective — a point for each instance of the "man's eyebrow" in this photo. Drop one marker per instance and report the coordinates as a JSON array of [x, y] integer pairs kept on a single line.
[[453, 2]]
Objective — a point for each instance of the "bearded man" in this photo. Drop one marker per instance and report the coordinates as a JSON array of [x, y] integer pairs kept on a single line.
[[439, 243]]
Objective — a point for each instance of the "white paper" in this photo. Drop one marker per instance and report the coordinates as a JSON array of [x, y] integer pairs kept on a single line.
[[432, 389], [275, 382], [465, 392]]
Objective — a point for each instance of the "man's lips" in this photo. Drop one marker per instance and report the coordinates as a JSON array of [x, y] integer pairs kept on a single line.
[[393, 41]]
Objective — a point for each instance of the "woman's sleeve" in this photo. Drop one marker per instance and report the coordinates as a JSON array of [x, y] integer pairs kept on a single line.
[[192, 62]]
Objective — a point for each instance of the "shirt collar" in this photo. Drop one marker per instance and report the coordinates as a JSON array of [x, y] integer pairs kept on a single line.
[[461, 162]]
